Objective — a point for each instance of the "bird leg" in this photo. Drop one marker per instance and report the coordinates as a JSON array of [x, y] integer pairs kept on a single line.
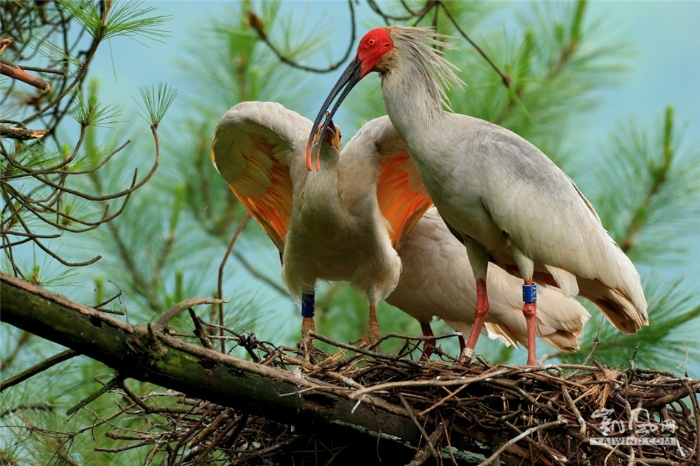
[[428, 345], [307, 320], [482, 308], [530, 313], [373, 326]]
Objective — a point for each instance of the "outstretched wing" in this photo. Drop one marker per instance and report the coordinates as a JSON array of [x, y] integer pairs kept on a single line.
[[252, 149], [401, 195]]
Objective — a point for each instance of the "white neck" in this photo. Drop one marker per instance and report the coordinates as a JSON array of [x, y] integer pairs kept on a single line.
[[321, 189], [412, 109]]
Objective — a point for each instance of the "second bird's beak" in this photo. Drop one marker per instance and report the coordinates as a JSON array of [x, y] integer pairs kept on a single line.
[[350, 77]]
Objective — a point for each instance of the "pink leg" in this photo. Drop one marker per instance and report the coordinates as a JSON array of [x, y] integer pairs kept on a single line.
[[482, 308], [373, 326], [462, 345], [530, 313], [428, 345], [307, 326]]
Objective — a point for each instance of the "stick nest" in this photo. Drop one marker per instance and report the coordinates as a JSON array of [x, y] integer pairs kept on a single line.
[[480, 414]]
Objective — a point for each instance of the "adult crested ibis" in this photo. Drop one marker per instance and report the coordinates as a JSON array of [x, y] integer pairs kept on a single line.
[[341, 223], [500, 195]]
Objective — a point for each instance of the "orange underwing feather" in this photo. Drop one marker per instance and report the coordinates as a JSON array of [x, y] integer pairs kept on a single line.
[[401, 196], [252, 150]]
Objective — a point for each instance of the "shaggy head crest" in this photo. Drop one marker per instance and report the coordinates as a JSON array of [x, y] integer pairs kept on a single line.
[[418, 45]]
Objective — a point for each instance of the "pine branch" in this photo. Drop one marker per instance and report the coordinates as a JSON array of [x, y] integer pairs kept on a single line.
[[146, 354], [32, 371], [659, 177], [649, 191]]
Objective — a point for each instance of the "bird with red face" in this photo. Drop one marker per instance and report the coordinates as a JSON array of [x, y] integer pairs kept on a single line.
[[499, 195]]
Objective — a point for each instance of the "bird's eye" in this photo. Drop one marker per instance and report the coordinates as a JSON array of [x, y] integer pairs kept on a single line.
[[370, 42]]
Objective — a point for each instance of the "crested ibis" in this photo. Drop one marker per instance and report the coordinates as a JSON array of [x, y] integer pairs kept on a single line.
[[500, 195]]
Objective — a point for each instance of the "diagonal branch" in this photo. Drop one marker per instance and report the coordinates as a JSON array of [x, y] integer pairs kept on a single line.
[[659, 177], [15, 72], [257, 24], [42, 366]]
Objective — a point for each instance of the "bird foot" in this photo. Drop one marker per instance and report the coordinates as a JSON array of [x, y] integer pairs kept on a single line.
[[306, 342], [428, 350], [373, 335], [465, 358]]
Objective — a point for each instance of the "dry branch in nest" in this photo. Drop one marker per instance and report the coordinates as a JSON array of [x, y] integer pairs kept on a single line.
[[354, 406], [545, 415]]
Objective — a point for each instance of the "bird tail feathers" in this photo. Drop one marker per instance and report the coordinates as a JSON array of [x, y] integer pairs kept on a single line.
[[618, 308]]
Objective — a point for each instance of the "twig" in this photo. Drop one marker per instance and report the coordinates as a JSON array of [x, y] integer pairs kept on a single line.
[[115, 382], [516, 439], [42, 366], [258, 274], [696, 411], [443, 400], [504, 79], [15, 72], [16, 351], [265, 451], [21, 134], [199, 331], [256, 23], [429, 383], [178, 308], [134, 397], [59, 71], [659, 175], [220, 283], [574, 409], [4, 42], [373, 354], [422, 431], [425, 453], [558, 459]]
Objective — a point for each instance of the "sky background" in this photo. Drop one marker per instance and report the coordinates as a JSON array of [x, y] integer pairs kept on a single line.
[[664, 70]]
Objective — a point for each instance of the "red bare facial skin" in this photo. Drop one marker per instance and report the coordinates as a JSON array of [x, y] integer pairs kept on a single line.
[[373, 46]]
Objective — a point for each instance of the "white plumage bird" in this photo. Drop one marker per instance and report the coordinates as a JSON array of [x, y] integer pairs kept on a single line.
[[497, 192], [334, 224], [339, 223]]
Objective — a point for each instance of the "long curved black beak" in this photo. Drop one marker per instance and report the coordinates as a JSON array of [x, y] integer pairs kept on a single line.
[[350, 77]]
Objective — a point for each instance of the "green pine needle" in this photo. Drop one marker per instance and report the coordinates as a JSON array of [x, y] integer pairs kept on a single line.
[[156, 101], [649, 191], [91, 112], [122, 19]]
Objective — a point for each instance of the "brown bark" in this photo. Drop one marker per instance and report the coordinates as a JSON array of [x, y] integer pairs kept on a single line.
[[15, 72]]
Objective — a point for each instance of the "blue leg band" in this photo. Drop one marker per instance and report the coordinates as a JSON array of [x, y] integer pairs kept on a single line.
[[530, 293], [307, 305]]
